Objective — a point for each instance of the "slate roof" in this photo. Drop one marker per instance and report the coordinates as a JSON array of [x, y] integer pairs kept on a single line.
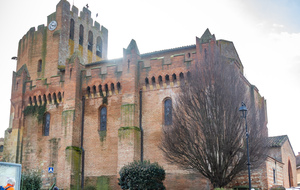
[[277, 141]]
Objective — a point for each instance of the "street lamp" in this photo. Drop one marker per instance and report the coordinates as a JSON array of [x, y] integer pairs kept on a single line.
[[244, 110]]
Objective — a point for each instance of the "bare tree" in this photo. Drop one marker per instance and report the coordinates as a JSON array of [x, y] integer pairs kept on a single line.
[[207, 134]]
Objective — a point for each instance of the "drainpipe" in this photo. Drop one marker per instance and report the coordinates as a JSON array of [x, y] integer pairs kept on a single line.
[[141, 128], [82, 150]]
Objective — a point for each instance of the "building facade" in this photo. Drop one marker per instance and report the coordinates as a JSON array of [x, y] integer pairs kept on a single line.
[[85, 116]]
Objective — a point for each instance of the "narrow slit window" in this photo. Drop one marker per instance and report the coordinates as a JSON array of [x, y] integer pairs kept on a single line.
[[168, 111], [39, 69], [103, 118], [46, 124]]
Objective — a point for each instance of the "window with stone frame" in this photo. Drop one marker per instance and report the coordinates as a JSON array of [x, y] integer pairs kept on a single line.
[[46, 124], [103, 118], [168, 112]]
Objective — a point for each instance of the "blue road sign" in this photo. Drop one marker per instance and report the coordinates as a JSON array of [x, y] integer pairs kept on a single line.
[[50, 170]]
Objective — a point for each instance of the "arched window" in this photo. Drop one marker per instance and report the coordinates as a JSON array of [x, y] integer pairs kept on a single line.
[[146, 81], [167, 78], [39, 68], [34, 100], [40, 100], [100, 90], [189, 75], [59, 97], [112, 87], [30, 101], [159, 79], [72, 29], [81, 35], [90, 42], [174, 77], [119, 87], [168, 111], [181, 76], [153, 80], [54, 98], [106, 88], [88, 90], [1, 148], [94, 90], [46, 128], [44, 99], [49, 98], [99, 47], [103, 118]]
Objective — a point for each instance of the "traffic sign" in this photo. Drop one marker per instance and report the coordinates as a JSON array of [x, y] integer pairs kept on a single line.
[[50, 170]]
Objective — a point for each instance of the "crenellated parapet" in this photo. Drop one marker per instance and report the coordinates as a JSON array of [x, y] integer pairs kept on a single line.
[[45, 50]]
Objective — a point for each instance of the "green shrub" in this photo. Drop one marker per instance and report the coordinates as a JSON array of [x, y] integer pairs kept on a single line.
[[142, 175], [90, 188], [277, 187], [31, 180]]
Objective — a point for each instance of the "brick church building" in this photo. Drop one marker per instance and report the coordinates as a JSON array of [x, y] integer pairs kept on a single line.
[[82, 114]]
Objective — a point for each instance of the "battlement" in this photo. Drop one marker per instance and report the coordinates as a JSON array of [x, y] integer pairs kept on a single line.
[[45, 49]]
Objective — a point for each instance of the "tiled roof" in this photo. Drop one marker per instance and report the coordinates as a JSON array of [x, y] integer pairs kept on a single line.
[[168, 50], [277, 141]]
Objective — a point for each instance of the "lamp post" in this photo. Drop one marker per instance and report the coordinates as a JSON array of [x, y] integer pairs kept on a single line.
[[243, 109]]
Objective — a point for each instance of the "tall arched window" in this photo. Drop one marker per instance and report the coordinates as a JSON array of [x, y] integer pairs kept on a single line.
[[99, 47], [103, 118], [168, 111], [90, 42], [81, 35], [72, 29], [46, 128]]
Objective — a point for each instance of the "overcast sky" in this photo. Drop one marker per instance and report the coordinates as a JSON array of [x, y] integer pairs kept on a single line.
[[265, 33]]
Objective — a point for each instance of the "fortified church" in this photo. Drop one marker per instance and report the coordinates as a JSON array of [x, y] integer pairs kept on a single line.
[[85, 116]]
